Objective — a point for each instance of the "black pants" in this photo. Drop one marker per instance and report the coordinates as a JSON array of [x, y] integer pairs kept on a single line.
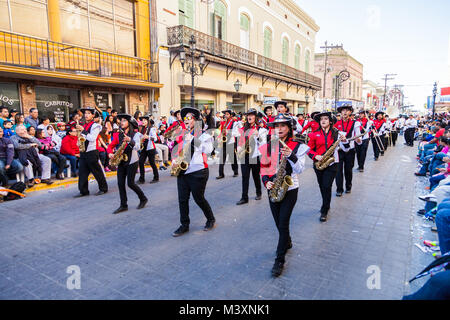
[[194, 183], [89, 163], [394, 137], [245, 170], [127, 172], [345, 169], [281, 212], [361, 152], [376, 144], [223, 157], [150, 154], [325, 179], [385, 141], [58, 159], [409, 136]]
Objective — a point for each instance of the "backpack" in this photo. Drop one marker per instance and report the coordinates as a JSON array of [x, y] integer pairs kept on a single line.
[[19, 187]]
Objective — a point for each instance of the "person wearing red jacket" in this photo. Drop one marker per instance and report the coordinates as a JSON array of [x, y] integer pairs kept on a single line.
[[225, 130], [70, 150], [311, 123], [319, 142]]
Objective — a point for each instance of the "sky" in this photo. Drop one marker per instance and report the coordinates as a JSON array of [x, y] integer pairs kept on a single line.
[[407, 38]]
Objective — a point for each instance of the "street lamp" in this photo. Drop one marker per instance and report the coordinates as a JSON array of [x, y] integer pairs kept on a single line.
[[190, 66], [237, 85], [434, 97], [306, 103], [343, 76]]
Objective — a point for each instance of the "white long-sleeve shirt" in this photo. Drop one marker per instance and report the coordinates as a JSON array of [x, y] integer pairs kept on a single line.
[[410, 123], [199, 158], [91, 137]]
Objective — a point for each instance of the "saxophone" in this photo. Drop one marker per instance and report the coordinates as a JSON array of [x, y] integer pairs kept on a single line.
[[180, 163], [223, 133], [169, 134], [282, 181], [119, 156], [81, 141], [241, 153]]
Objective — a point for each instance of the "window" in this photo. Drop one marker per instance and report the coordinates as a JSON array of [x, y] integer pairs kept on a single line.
[[56, 103], [307, 59], [28, 17], [245, 31], [9, 95], [267, 42], [186, 12], [285, 51], [219, 20], [101, 24], [297, 56]]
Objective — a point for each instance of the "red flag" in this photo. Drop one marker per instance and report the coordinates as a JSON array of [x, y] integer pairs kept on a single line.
[[445, 91]]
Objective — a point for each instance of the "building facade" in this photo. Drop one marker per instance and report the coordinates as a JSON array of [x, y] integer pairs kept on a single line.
[[266, 46], [350, 90], [59, 55], [369, 95]]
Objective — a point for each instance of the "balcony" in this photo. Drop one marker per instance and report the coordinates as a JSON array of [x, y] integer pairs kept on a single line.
[[54, 57], [248, 60]]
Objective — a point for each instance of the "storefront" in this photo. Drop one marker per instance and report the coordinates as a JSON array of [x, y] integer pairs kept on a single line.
[[57, 103], [116, 100], [9, 95]]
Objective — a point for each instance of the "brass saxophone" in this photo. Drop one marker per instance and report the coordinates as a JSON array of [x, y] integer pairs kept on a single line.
[[169, 134], [81, 141], [119, 156], [241, 153], [282, 181], [180, 163], [223, 133]]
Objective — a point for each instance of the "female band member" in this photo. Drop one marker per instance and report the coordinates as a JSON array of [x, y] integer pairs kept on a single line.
[[126, 170], [148, 132], [193, 147], [379, 129], [295, 164], [319, 142]]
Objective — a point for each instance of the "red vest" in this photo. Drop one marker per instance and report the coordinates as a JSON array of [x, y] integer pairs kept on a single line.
[[319, 143]]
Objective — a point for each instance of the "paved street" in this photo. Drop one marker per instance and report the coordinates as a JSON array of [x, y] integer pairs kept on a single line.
[[133, 255]]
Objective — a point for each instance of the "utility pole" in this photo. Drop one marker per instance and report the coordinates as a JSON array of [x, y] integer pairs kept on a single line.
[[326, 47], [386, 78], [434, 97]]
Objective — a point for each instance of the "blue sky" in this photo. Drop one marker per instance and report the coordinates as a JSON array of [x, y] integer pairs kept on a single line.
[[407, 38]]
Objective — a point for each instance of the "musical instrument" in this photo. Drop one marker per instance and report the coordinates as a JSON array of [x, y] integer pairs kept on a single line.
[[81, 140], [146, 133], [328, 158], [169, 133], [247, 149], [223, 133], [378, 141], [282, 181], [119, 156], [180, 163]]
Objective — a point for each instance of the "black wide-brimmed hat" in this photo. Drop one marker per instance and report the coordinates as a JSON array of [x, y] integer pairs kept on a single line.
[[323, 114], [230, 111], [252, 111], [345, 106], [97, 114], [284, 103], [90, 109], [260, 115], [379, 112], [128, 117], [176, 112], [146, 117], [313, 114], [267, 107], [184, 111], [282, 118]]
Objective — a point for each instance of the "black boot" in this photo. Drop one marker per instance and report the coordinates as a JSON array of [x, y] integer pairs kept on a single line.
[[242, 201], [120, 209], [180, 231], [142, 203], [323, 217], [277, 268]]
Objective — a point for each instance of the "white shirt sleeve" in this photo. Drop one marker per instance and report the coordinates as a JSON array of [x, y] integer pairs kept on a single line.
[[299, 166]]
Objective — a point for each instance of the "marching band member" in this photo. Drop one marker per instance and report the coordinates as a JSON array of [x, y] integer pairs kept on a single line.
[[126, 170], [148, 132], [396, 130], [89, 161], [194, 179], [319, 142], [178, 122], [271, 152], [388, 128], [228, 147], [361, 149], [311, 123], [268, 111], [350, 128], [250, 136], [379, 129]]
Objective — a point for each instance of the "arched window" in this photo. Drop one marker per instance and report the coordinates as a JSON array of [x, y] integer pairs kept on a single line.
[[297, 56], [307, 59], [186, 12], [285, 51], [219, 20], [245, 31], [267, 42]]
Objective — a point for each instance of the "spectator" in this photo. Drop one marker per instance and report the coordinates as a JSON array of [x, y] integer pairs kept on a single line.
[[70, 150], [137, 115], [172, 118], [12, 115], [114, 113], [109, 122], [62, 130], [8, 165], [31, 131], [47, 148], [25, 145], [4, 115], [105, 114], [55, 138], [102, 146], [45, 122], [74, 119], [19, 119], [7, 129], [32, 119]]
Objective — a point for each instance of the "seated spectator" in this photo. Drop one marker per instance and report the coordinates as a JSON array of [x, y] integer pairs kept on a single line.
[[4, 115], [44, 124], [61, 126], [70, 150], [33, 119], [74, 119], [55, 138], [8, 131], [26, 147], [19, 119], [444, 173], [102, 147], [47, 148], [31, 131], [8, 165]]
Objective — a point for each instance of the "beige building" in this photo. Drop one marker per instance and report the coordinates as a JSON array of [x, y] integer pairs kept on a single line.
[[267, 46], [350, 90], [369, 95]]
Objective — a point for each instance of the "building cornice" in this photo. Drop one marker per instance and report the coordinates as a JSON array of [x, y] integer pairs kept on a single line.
[[295, 9]]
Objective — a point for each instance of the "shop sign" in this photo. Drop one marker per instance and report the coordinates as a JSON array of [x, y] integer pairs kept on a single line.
[[6, 99], [48, 104], [59, 115], [270, 100]]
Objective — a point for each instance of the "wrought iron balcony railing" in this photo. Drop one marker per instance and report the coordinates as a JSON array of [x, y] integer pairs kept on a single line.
[[180, 35], [35, 53]]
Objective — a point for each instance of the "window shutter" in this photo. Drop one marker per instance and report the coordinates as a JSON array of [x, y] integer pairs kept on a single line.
[[267, 43], [297, 57], [285, 56]]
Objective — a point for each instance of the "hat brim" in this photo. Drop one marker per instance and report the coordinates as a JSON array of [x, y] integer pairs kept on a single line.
[[187, 110], [379, 112], [339, 109], [129, 118], [92, 110], [323, 114]]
